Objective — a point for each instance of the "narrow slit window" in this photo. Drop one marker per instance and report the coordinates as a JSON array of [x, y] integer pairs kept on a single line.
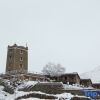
[[21, 51], [10, 57], [21, 66], [21, 58]]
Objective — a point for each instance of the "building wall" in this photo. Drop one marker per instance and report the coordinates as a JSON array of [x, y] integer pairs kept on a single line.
[[97, 86], [86, 82], [77, 79], [17, 58], [71, 79]]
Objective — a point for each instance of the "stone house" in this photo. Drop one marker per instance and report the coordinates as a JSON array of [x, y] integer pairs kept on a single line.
[[96, 85], [35, 77], [28, 76], [86, 82], [67, 78], [70, 78]]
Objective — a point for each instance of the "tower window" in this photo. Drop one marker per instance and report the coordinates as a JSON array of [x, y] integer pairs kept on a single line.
[[21, 58], [21, 51], [21, 66], [10, 57]]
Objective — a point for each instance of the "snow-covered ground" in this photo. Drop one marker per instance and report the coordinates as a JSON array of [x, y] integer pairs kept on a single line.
[[32, 99], [72, 87], [75, 87], [6, 96], [27, 84], [67, 96]]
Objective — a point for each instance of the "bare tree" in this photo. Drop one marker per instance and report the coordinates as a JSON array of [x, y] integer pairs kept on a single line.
[[53, 69]]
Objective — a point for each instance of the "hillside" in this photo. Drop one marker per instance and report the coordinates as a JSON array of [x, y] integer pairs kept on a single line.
[[27, 90], [94, 75]]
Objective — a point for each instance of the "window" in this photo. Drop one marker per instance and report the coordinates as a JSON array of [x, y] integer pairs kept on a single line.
[[65, 78], [21, 65], [10, 57], [21, 58], [21, 51]]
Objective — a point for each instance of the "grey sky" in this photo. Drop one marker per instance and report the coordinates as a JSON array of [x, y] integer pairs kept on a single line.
[[60, 31]]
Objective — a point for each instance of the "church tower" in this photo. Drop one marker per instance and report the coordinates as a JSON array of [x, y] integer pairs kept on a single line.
[[17, 59]]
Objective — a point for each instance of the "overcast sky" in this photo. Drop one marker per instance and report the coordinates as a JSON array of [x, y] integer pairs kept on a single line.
[[59, 31]]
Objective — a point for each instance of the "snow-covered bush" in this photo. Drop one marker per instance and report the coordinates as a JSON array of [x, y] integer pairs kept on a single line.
[[53, 69]]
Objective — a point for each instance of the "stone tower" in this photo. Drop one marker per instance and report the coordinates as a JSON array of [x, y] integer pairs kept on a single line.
[[17, 59]]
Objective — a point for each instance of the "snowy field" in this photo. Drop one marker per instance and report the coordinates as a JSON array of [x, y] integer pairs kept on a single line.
[[6, 96]]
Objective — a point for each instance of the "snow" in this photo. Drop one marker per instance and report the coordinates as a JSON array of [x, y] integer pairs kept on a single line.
[[53, 69], [27, 84], [75, 87], [66, 96], [30, 83], [32, 99], [6, 96], [94, 75], [72, 87], [1, 87]]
